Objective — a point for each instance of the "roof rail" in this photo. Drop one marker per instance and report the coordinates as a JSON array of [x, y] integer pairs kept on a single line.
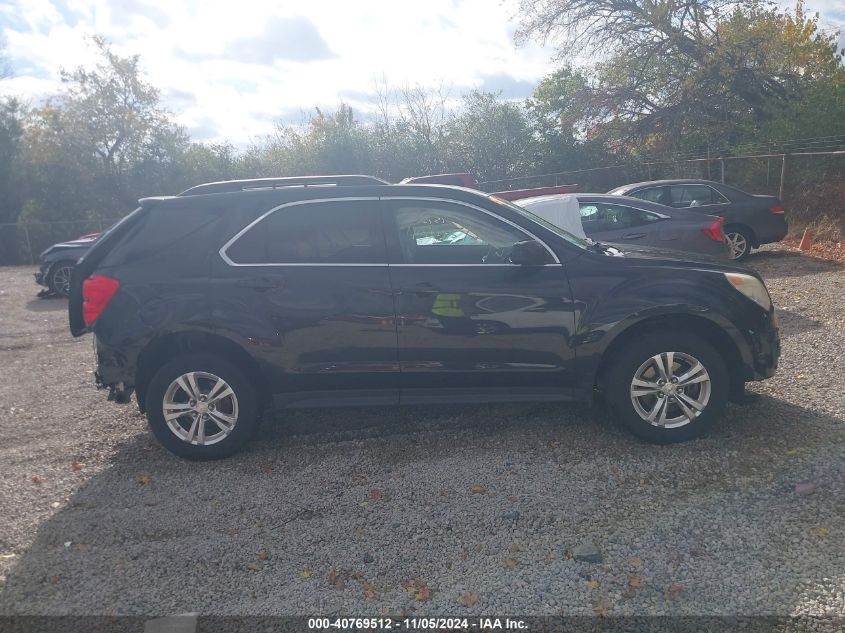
[[277, 183]]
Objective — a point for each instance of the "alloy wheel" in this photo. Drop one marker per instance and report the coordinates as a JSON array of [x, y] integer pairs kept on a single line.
[[61, 279], [200, 408], [737, 243], [670, 389]]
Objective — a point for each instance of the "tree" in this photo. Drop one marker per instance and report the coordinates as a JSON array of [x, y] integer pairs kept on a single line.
[[490, 138], [684, 71], [85, 143]]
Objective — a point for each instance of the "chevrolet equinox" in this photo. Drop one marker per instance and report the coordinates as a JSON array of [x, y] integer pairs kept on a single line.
[[332, 291]]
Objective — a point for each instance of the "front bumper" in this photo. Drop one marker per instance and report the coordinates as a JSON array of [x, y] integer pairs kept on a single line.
[[41, 275], [765, 351]]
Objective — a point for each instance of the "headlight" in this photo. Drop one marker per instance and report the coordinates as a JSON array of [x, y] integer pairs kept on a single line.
[[752, 288]]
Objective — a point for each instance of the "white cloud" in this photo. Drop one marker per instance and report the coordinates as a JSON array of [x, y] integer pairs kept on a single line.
[[228, 70], [227, 73]]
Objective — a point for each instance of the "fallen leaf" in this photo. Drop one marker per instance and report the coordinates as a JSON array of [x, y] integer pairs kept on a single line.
[[636, 562], [375, 494], [806, 488], [468, 598], [331, 577], [262, 554], [677, 587], [554, 444], [306, 573], [77, 466], [636, 582], [423, 594], [594, 584], [370, 591], [601, 610], [145, 479], [232, 532], [514, 548], [55, 580], [407, 585], [478, 489], [510, 563], [359, 532], [793, 451], [37, 480], [821, 532], [255, 566]]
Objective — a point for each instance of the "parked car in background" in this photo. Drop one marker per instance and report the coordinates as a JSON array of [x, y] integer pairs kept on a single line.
[[750, 220], [232, 296], [58, 262], [630, 222]]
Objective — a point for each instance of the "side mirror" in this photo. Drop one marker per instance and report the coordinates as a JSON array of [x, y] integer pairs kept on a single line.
[[529, 253]]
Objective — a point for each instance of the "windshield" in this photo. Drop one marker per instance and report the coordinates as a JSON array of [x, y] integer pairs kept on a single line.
[[572, 239]]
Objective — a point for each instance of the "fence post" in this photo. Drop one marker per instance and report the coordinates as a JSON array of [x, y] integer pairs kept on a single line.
[[722, 164], [28, 245], [782, 175]]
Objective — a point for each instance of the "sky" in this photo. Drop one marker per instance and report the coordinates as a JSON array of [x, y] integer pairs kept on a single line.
[[229, 71]]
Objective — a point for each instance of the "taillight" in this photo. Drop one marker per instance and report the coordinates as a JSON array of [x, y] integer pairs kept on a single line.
[[714, 231], [97, 291], [777, 210]]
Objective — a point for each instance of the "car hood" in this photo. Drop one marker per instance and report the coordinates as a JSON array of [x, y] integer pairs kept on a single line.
[[639, 252], [70, 245]]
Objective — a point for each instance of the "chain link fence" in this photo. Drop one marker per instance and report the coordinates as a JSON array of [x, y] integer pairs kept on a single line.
[[22, 243], [810, 183]]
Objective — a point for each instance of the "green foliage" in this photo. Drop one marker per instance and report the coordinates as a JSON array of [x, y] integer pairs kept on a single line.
[[490, 138], [670, 76], [692, 74]]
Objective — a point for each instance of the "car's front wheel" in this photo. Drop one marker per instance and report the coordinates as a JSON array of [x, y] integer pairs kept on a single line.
[[667, 387], [58, 280], [202, 407]]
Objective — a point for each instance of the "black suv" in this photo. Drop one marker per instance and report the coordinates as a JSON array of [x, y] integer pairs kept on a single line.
[[347, 290]]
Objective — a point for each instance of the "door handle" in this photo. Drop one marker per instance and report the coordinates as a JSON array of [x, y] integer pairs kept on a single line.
[[261, 283], [633, 236], [425, 288]]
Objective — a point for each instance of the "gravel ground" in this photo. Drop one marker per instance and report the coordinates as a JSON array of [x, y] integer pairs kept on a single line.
[[448, 510]]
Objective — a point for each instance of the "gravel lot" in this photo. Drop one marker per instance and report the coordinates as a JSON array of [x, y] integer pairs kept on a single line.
[[448, 510]]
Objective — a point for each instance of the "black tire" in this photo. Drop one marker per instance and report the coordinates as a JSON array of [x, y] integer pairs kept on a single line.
[[246, 401], [628, 361], [58, 279], [739, 235]]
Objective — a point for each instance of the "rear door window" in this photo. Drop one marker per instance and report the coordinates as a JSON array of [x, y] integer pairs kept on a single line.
[[695, 196], [597, 217], [327, 232], [660, 195]]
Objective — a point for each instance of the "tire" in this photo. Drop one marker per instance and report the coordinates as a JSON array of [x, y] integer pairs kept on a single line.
[[202, 439], [636, 360], [739, 241], [58, 280]]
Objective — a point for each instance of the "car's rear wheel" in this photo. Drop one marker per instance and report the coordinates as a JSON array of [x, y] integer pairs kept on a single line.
[[739, 241], [58, 280], [202, 407], [667, 387]]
